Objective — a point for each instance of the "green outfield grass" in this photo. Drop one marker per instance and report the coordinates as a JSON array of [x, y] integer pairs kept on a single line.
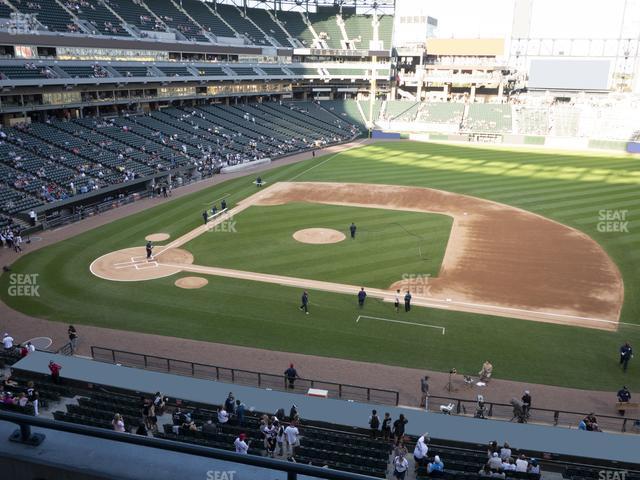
[[572, 189], [388, 243]]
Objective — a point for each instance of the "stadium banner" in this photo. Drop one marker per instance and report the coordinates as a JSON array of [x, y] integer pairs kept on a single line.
[[633, 147], [244, 166], [380, 134]]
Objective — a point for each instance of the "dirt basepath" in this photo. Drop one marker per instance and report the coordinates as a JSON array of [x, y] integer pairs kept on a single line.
[[499, 260], [406, 380]]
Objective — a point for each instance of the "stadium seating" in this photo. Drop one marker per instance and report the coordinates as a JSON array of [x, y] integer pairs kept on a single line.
[[242, 25], [441, 112], [22, 72], [401, 111], [50, 14], [136, 14], [489, 118], [327, 29], [294, 23], [206, 17], [359, 30], [103, 21], [263, 19], [346, 110], [176, 19]]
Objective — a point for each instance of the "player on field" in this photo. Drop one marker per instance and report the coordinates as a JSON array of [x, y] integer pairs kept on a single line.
[[305, 302], [149, 249]]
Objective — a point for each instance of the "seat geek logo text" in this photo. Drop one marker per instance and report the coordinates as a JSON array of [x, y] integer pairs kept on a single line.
[[23, 285]]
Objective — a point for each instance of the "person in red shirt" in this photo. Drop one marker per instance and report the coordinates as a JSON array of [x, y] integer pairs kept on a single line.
[[54, 368]]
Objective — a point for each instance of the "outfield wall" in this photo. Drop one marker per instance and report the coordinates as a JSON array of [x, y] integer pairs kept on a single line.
[[559, 143]]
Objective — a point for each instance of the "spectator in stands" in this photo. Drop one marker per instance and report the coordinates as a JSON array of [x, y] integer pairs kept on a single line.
[[291, 374], [159, 403], [626, 354], [624, 395], [492, 448], [293, 413], [279, 428], [142, 430], [54, 368], [230, 404], [33, 396], [118, 423], [534, 468], [7, 342], [386, 426], [436, 466], [73, 338], [522, 464], [582, 425], [209, 427], [401, 449], [241, 444], [223, 416], [398, 428], [292, 433], [240, 408], [421, 450], [270, 443], [400, 467], [30, 347], [374, 424], [505, 452], [495, 462], [508, 465]]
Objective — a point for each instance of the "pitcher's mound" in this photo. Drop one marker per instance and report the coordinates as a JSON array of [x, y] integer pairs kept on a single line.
[[319, 235], [191, 282], [157, 237]]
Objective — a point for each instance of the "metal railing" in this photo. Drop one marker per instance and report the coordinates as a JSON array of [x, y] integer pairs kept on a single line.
[[546, 416], [66, 349], [243, 377], [25, 422]]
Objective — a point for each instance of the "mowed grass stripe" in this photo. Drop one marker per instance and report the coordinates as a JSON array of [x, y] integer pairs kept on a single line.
[[264, 315]]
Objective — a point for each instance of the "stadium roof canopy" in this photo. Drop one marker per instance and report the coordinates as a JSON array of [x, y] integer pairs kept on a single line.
[[361, 6]]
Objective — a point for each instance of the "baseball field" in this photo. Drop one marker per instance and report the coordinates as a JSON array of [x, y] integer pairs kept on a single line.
[[527, 258]]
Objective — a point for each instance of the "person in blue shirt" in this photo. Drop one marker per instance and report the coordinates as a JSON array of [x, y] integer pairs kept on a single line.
[[407, 301], [626, 353], [305, 302], [352, 230], [362, 295], [624, 395], [436, 465], [205, 217], [223, 205]]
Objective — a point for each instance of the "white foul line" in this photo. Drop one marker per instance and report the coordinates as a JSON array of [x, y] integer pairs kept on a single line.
[[325, 161], [399, 321], [217, 199]]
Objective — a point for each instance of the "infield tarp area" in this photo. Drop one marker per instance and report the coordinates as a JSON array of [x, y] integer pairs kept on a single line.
[[608, 446]]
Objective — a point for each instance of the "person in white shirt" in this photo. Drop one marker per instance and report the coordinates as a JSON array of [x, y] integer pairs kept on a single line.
[[400, 466], [494, 462], [118, 423], [223, 416], [509, 465], [421, 450], [505, 452], [7, 341], [521, 464], [30, 347], [241, 445], [291, 434]]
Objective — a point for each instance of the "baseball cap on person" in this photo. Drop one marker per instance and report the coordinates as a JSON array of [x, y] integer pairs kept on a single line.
[[242, 436]]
